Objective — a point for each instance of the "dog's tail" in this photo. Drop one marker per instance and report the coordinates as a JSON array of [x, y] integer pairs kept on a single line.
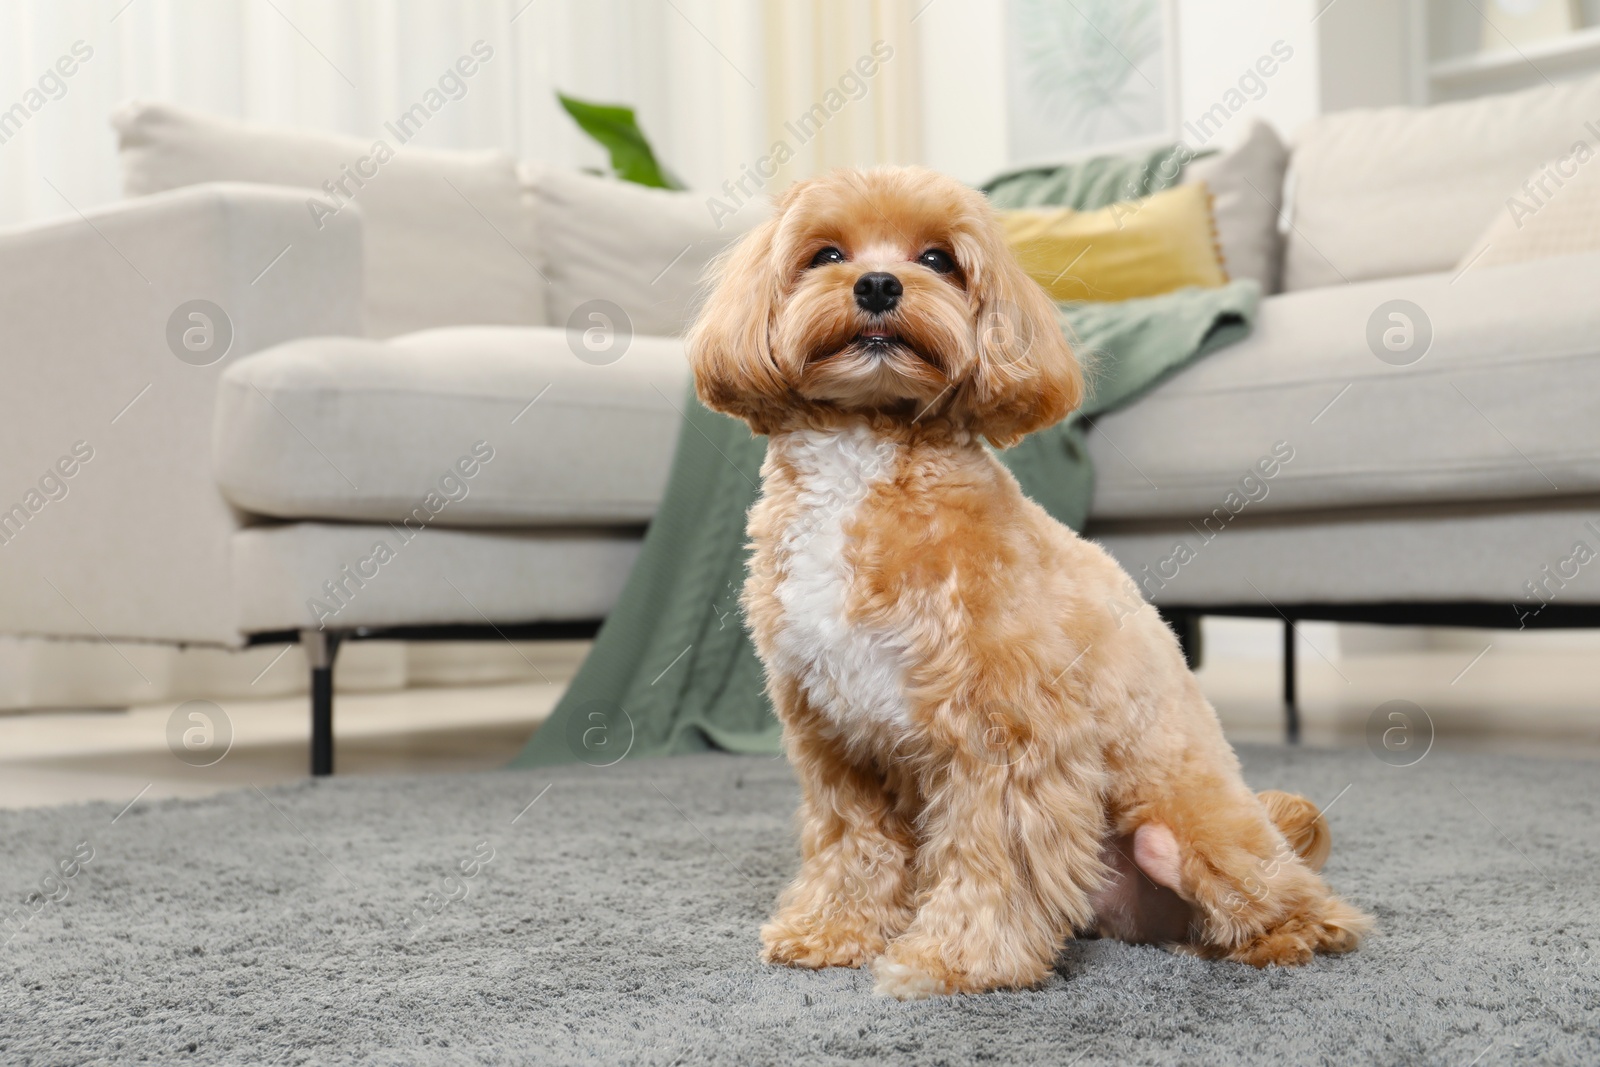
[[1299, 820]]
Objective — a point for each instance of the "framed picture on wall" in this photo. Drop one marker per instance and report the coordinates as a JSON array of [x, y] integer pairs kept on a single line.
[[1088, 74]]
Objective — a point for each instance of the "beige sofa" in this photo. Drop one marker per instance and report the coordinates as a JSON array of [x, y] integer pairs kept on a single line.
[[1432, 362], [397, 441]]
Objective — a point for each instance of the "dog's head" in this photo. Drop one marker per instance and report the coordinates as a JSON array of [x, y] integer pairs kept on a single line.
[[888, 293]]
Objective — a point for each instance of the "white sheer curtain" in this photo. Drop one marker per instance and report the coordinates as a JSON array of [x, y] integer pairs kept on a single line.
[[348, 66], [859, 62], [714, 82]]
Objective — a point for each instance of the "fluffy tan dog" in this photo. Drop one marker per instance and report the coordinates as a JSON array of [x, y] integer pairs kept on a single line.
[[991, 758]]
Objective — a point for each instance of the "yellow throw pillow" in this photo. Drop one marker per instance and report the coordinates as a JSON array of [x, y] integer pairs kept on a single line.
[[1133, 248]]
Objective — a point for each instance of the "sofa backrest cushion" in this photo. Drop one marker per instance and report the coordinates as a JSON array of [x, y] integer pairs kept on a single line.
[[1395, 191], [447, 237], [644, 250]]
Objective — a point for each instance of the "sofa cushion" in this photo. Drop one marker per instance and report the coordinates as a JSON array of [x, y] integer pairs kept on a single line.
[[1246, 184], [283, 573], [644, 250], [1554, 212], [1400, 191], [1504, 402], [1128, 249], [448, 239], [1446, 553], [474, 426]]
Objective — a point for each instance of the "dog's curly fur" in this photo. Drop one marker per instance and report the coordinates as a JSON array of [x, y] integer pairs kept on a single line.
[[991, 757]]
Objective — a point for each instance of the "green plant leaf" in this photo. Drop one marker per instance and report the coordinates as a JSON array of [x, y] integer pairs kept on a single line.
[[617, 131]]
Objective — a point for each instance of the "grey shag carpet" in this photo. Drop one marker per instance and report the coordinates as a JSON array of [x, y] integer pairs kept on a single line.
[[616, 924]]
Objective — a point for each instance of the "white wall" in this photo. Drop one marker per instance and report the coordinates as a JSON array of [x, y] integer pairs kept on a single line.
[[1220, 40], [1365, 49], [963, 87]]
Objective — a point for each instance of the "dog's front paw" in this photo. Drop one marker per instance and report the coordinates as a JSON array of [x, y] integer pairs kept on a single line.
[[797, 944], [908, 980], [915, 967]]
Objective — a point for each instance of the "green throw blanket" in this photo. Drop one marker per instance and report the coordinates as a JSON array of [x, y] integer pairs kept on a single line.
[[673, 670]]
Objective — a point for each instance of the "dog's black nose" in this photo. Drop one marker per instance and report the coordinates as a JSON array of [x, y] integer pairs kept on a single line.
[[878, 291]]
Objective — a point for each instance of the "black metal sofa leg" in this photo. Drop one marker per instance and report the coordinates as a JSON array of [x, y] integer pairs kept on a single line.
[[1186, 624], [1291, 703], [321, 648]]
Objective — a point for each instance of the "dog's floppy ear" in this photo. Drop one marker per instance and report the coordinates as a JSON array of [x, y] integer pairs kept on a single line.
[[1026, 376], [729, 345]]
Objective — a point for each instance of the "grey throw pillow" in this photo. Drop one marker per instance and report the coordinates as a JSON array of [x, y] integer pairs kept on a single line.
[[1246, 184]]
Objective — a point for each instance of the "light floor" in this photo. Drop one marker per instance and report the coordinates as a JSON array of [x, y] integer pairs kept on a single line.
[[1529, 697]]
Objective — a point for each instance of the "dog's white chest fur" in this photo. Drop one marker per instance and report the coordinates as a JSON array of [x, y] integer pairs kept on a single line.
[[852, 672]]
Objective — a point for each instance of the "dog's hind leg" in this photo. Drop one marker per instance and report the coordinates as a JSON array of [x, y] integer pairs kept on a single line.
[[1260, 900], [1297, 819]]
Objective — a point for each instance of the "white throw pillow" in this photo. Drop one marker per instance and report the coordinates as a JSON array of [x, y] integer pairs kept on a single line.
[[1554, 212], [1246, 184], [643, 249], [447, 238], [1399, 191]]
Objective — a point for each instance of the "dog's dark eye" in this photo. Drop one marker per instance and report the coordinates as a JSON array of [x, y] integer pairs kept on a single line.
[[827, 255], [937, 261]]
